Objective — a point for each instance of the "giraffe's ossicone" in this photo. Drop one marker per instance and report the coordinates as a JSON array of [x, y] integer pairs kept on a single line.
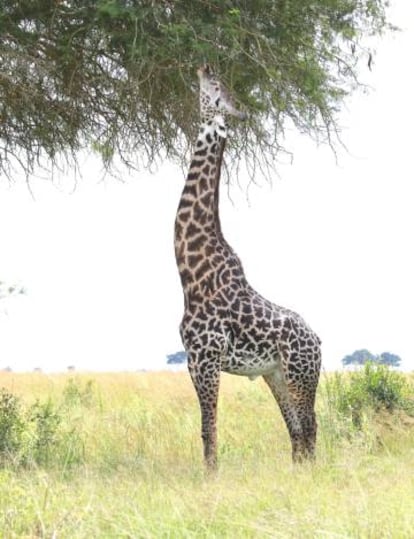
[[227, 326]]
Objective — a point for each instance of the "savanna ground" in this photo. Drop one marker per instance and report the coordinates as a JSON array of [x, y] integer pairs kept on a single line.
[[119, 456]]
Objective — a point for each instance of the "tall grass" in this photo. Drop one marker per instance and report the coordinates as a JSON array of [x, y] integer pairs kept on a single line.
[[124, 460]]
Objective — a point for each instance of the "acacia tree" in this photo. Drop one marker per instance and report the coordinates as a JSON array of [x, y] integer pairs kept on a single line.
[[386, 358], [116, 75], [361, 357], [177, 358], [7, 290]]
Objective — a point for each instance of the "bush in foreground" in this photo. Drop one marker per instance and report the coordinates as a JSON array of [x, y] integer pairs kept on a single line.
[[374, 388], [38, 434]]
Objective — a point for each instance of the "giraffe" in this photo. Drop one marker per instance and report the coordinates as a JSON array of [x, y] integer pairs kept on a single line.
[[227, 326]]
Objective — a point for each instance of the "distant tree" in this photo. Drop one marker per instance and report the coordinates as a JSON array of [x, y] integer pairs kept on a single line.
[[177, 358], [7, 290], [359, 357], [389, 359], [116, 75]]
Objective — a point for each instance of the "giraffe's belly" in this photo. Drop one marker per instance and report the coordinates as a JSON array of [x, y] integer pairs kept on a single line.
[[251, 360]]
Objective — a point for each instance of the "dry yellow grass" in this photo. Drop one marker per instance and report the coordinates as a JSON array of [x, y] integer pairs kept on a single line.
[[140, 473]]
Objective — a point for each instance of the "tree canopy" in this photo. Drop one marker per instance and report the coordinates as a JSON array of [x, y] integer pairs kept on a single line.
[[177, 358], [386, 358], [117, 76], [7, 290], [360, 357]]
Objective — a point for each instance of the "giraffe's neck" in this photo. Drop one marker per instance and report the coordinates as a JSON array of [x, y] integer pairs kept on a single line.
[[200, 248]]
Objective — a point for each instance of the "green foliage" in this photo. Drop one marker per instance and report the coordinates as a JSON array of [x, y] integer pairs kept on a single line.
[[76, 393], [375, 387], [45, 423], [116, 76], [11, 426], [36, 435]]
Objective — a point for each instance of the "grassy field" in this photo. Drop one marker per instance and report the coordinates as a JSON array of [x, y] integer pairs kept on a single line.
[[119, 456]]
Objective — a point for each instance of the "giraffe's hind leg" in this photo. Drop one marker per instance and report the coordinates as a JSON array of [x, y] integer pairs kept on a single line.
[[296, 400], [306, 392], [309, 429], [205, 375], [289, 412]]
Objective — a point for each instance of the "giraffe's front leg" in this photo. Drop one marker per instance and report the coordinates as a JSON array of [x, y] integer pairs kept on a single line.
[[205, 374]]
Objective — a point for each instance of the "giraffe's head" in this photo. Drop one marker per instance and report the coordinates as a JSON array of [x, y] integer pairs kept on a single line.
[[215, 100]]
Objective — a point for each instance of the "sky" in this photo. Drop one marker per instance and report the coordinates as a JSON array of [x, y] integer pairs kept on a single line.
[[333, 241]]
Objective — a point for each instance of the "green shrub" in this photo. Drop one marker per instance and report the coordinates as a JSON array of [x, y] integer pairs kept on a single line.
[[11, 426], [45, 421], [77, 394], [38, 435], [374, 387]]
